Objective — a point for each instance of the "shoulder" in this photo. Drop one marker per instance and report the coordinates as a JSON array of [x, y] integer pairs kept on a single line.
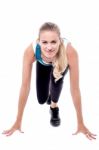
[[29, 54], [72, 54]]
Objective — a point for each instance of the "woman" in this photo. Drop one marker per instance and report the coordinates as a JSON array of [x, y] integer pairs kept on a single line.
[[53, 60]]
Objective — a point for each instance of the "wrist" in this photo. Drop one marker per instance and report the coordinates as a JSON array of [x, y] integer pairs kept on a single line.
[[79, 118], [18, 119], [80, 123]]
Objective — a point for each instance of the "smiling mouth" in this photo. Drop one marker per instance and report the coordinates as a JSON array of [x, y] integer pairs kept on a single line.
[[50, 51]]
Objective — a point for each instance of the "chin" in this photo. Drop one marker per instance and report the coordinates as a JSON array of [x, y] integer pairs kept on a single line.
[[50, 56]]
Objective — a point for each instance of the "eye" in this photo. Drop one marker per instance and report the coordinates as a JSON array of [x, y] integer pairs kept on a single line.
[[53, 42], [44, 42]]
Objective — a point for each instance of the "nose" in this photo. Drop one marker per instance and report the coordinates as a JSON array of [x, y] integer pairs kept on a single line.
[[49, 47]]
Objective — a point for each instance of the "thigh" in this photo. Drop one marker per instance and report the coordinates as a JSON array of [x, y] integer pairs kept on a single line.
[[56, 87], [42, 81]]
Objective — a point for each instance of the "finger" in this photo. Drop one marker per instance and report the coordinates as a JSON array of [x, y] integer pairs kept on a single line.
[[6, 131], [75, 133], [21, 131], [93, 137], [87, 135], [90, 136], [10, 133]]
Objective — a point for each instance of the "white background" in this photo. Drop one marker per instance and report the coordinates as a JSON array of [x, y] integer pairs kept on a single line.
[[19, 24]]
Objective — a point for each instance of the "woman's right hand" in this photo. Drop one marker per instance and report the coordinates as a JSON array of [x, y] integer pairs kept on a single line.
[[16, 126]]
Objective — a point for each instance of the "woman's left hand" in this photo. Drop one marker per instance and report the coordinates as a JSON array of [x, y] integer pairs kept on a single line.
[[85, 131]]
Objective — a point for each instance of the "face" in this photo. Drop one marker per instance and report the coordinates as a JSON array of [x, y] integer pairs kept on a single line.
[[49, 42]]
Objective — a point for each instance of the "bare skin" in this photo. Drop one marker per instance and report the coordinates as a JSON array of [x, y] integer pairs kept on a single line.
[[49, 50]]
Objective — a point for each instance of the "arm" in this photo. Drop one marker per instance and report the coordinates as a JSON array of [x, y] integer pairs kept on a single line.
[[74, 81], [75, 90], [28, 60]]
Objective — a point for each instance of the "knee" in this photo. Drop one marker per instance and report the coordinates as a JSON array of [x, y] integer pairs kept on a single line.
[[42, 100]]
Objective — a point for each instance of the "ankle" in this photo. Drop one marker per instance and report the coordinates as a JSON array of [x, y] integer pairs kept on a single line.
[[53, 105]]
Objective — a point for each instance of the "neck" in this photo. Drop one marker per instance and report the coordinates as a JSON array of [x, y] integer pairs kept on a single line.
[[46, 59]]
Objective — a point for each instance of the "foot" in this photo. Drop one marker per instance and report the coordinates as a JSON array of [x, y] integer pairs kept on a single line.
[[55, 119], [49, 100]]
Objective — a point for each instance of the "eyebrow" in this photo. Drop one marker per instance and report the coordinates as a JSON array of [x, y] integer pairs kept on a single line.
[[50, 41]]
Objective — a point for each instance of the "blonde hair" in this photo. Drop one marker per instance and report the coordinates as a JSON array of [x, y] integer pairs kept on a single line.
[[60, 62]]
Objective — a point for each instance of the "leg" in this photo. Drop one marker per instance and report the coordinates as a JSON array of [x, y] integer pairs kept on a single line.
[[56, 87], [55, 90], [42, 82]]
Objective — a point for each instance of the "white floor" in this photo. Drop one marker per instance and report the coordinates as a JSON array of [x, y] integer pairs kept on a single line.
[[39, 134]]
